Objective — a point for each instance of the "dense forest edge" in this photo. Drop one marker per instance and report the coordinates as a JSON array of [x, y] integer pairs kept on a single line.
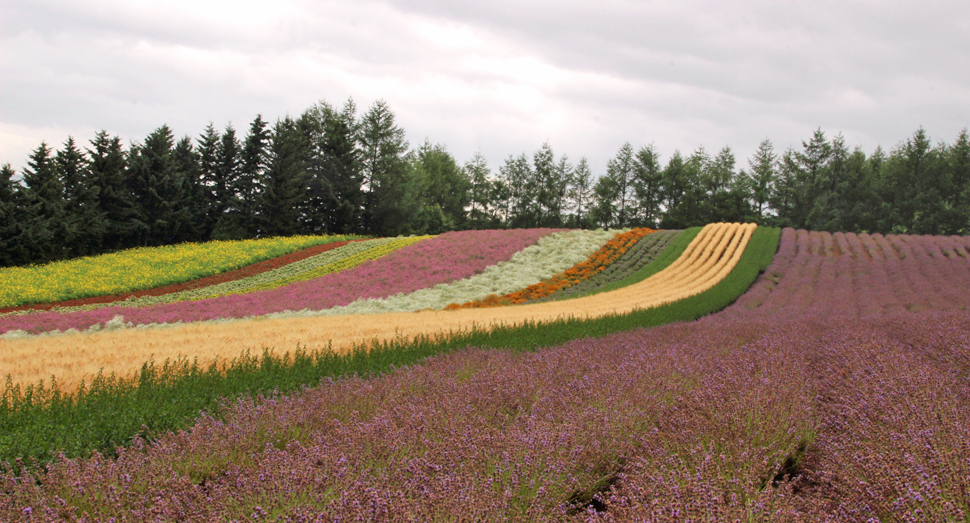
[[334, 171]]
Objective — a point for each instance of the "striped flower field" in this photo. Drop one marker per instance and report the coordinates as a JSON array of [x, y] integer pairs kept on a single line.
[[824, 379]]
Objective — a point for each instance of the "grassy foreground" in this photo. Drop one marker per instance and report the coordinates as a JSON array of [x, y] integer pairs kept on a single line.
[[37, 421]]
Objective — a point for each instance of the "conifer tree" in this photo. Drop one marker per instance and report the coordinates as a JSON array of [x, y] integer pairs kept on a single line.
[[107, 166], [647, 186], [158, 187], [44, 219], [13, 247], [389, 198], [85, 222], [481, 212], [581, 194], [284, 181]]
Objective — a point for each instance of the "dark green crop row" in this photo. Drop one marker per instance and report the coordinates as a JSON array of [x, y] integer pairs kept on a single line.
[[641, 254], [37, 422]]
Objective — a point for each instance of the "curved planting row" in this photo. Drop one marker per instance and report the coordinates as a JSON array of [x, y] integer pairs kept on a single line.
[[552, 254], [707, 260], [138, 269], [636, 258], [205, 281], [436, 260], [578, 273]]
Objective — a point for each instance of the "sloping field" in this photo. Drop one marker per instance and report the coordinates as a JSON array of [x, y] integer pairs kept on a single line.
[[825, 275], [140, 268], [400, 266], [824, 394], [72, 358]]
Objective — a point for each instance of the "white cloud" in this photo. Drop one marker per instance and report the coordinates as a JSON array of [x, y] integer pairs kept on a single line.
[[501, 77]]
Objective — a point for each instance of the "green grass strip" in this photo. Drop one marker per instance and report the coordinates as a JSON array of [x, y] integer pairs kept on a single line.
[[36, 422]]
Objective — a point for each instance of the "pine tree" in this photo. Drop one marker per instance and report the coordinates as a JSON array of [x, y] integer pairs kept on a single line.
[[240, 219], [647, 186], [481, 213], [284, 181], [620, 171], [208, 156], [762, 177], [958, 160], [158, 187], [44, 221], [389, 203], [192, 214], [581, 194], [13, 247], [85, 222], [107, 166]]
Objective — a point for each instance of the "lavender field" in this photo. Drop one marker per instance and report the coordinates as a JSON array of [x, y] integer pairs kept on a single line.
[[836, 389]]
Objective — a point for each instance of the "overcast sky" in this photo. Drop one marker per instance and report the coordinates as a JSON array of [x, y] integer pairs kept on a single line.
[[500, 77]]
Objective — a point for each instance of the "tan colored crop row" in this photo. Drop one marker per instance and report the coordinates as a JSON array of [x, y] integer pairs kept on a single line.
[[72, 358]]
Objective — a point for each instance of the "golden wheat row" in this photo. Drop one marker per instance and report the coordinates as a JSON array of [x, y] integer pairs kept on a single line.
[[73, 358]]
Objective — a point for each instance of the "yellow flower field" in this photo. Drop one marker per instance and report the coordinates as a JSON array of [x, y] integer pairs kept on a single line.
[[142, 268]]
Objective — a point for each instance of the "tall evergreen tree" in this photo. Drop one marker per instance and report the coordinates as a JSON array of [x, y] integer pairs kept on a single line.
[[45, 216], [107, 166], [518, 179], [193, 213], [284, 185], [647, 186], [208, 157], [14, 249], [761, 178], [958, 164], [581, 195], [481, 204], [389, 201], [240, 219], [563, 174], [620, 172], [159, 189], [85, 222]]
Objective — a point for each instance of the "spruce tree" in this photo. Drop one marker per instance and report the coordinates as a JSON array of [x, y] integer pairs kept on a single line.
[[192, 214], [107, 167], [581, 194], [159, 189], [45, 219], [283, 187], [762, 177], [86, 223], [241, 220], [647, 183], [13, 247]]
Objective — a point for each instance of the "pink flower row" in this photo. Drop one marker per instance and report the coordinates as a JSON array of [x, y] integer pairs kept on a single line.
[[444, 258]]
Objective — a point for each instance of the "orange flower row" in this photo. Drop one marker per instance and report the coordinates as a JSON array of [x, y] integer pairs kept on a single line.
[[597, 262]]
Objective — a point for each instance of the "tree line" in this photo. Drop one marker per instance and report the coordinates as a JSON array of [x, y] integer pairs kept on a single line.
[[334, 171]]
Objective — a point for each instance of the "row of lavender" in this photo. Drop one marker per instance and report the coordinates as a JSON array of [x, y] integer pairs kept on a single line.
[[807, 420], [825, 394], [821, 275]]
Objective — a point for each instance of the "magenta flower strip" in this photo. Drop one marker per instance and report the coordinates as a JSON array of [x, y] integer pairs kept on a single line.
[[448, 257]]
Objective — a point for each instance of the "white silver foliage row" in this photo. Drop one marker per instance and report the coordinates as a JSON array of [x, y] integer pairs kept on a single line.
[[551, 255]]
